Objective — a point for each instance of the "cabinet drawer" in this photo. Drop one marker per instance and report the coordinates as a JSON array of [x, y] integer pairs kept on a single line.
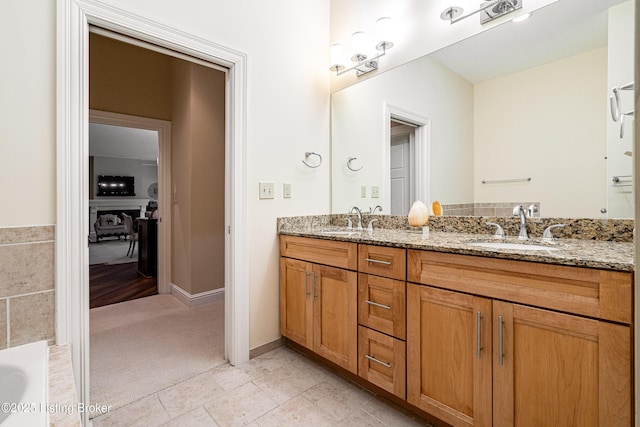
[[327, 252], [382, 361], [381, 304], [602, 294], [383, 261]]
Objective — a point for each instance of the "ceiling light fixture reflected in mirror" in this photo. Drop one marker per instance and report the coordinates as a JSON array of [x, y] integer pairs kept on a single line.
[[488, 11], [359, 45]]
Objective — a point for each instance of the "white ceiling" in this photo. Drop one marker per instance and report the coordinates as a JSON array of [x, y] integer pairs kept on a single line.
[[559, 30], [127, 143]]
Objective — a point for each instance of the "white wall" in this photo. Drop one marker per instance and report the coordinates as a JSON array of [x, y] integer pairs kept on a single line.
[[423, 87], [547, 123], [287, 114], [27, 113]]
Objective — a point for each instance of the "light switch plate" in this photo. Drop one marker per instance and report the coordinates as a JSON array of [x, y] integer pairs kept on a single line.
[[266, 190], [375, 191], [286, 190], [363, 191]]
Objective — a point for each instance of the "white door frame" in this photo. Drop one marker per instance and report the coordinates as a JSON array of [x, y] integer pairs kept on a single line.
[[422, 152], [72, 107], [163, 127]]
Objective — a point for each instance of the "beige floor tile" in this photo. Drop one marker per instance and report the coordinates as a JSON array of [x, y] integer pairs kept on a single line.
[[231, 377], [190, 394], [390, 415], [285, 383], [359, 418], [281, 356], [240, 406], [298, 411], [198, 417], [337, 397], [146, 412]]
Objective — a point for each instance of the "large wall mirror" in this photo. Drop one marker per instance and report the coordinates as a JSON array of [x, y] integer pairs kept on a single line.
[[518, 113]]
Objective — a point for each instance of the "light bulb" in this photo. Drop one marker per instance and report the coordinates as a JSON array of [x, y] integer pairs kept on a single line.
[[337, 57], [359, 46], [383, 33]]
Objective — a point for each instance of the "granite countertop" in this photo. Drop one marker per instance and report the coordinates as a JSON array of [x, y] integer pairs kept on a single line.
[[584, 253]]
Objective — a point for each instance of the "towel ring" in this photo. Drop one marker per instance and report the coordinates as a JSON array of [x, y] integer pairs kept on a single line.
[[309, 154], [349, 160]]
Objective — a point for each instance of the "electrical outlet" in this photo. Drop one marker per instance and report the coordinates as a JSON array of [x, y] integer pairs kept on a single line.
[[286, 190], [266, 190], [375, 191], [363, 191]]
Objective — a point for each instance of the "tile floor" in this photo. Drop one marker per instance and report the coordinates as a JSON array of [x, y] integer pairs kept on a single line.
[[279, 388]]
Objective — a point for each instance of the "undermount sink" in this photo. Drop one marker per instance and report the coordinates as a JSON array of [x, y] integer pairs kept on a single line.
[[513, 246], [338, 232]]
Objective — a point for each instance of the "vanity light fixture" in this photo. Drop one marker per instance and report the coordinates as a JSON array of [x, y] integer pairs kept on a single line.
[[364, 64], [488, 11]]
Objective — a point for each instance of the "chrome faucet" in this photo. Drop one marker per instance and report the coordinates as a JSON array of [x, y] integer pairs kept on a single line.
[[519, 210], [378, 207], [357, 209]]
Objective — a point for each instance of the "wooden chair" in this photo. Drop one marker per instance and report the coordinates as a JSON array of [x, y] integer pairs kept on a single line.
[[133, 234]]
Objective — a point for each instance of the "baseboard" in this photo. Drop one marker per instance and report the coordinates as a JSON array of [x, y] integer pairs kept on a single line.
[[197, 299], [266, 348]]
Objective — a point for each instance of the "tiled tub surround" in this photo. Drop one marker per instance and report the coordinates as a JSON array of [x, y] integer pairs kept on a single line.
[[605, 244], [27, 297], [63, 402]]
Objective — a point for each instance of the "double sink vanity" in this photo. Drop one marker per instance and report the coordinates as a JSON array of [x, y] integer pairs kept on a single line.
[[465, 329]]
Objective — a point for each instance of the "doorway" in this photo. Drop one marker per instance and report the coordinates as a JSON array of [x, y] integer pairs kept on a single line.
[[407, 156], [73, 21], [402, 169], [126, 76]]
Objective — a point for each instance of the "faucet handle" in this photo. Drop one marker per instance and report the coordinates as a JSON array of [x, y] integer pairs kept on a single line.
[[370, 226], [547, 236], [349, 223], [499, 231]]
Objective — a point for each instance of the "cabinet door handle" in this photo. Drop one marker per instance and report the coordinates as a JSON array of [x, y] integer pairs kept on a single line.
[[306, 283], [377, 261], [313, 284], [386, 307], [388, 365], [500, 335], [478, 334]]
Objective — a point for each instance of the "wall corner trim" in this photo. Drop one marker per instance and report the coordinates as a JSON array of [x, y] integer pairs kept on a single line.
[[198, 299]]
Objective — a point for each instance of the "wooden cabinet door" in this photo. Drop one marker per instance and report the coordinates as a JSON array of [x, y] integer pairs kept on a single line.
[[559, 370], [335, 323], [296, 302], [449, 355]]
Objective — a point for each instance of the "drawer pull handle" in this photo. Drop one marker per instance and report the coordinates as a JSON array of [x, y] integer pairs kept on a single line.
[[377, 261], [388, 365], [479, 334], [500, 336], [386, 307]]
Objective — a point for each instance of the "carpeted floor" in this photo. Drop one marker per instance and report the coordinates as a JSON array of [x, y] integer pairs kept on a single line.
[[143, 346], [111, 252]]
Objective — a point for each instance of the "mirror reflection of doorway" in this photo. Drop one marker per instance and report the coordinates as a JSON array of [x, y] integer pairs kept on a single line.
[[402, 170]]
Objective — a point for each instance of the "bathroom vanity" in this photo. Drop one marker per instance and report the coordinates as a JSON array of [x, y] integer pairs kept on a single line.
[[472, 335]]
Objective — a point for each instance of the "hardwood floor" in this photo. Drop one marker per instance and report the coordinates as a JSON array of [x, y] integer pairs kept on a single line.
[[110, 284]]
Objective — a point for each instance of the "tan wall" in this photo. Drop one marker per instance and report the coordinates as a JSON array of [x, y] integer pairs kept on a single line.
[[198, 177], [181, 178], [127, 79], [207, 179]]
